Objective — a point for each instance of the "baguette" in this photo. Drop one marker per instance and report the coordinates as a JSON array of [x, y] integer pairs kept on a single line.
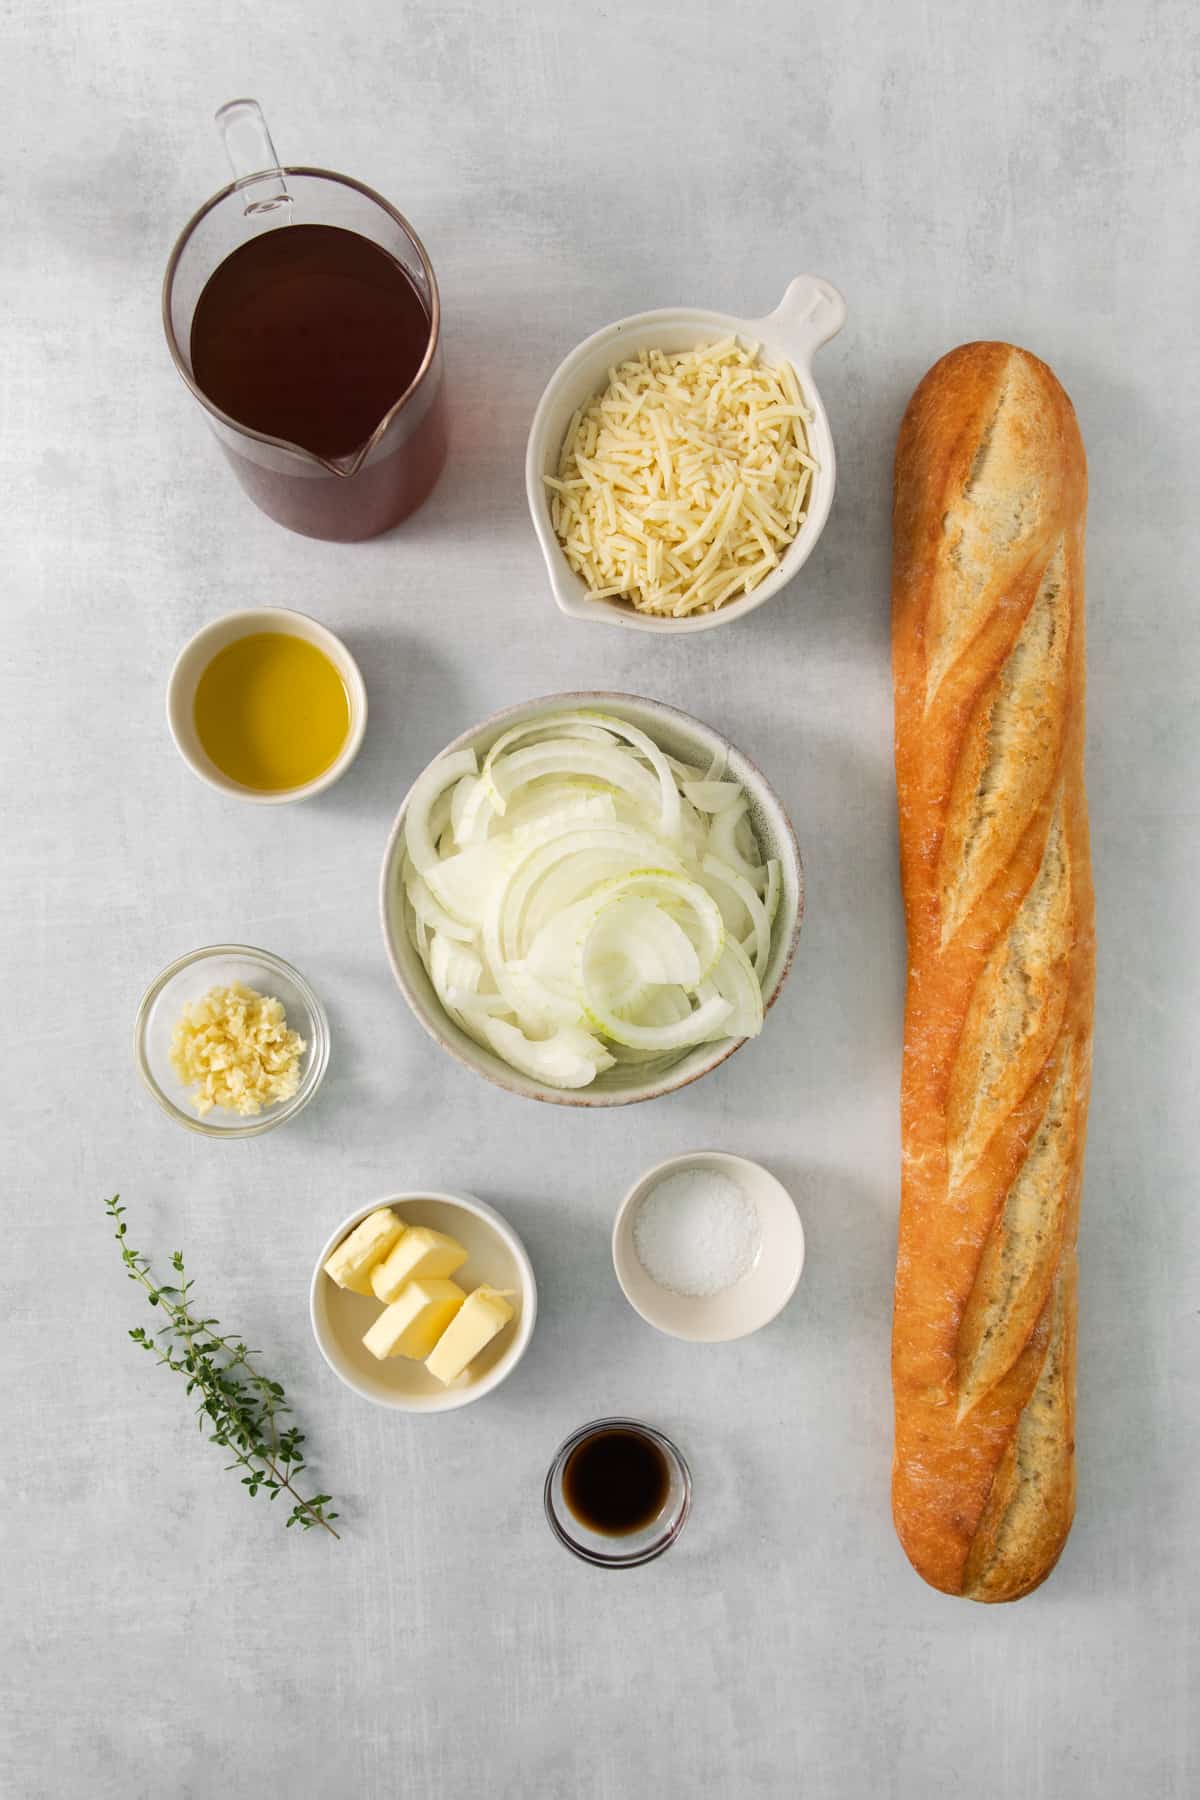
[[988, 662]]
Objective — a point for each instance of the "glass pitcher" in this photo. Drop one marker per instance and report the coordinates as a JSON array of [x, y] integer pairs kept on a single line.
[[342, 498]]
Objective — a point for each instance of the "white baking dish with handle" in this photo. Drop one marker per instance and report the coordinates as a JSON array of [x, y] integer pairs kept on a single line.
[[810, 313]]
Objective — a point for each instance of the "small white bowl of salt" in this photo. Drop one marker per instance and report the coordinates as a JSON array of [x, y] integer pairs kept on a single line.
[[708, 1246]]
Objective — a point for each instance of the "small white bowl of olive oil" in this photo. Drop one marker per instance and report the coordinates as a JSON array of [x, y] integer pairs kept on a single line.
[[267, 705]]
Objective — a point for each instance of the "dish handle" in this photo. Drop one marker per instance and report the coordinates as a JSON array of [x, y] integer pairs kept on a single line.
[[810, 313]]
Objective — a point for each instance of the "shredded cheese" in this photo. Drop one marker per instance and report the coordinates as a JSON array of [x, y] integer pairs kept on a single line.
[[236, 1046], [685, 480]]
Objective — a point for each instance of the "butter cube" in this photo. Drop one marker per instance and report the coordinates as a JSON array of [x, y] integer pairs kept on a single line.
[[481, 1315], [412, 1325], [351, 1263], [421, 1255]]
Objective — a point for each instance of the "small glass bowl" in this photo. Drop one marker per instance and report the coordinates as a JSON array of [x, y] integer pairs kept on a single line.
[[631, 1548], [189, 979]]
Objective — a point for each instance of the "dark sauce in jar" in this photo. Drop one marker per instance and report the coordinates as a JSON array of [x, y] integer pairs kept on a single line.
[[617, 1481], [309, 333]]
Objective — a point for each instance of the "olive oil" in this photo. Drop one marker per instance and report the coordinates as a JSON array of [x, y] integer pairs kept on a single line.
[[271, 711]]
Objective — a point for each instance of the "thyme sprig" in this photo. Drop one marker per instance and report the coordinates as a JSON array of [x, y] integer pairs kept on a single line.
[[243, 1408]]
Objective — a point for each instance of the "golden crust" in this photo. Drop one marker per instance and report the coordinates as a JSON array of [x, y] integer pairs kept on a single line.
[[988, 662]]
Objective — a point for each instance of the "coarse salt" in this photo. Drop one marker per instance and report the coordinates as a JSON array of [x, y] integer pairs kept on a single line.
[[696, 1232]]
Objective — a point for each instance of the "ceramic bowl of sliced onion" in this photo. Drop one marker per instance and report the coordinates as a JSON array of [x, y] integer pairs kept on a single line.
[[592, 899]]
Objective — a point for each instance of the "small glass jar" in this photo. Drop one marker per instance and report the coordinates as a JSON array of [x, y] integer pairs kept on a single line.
[[627, 1549], [188, 979], [342, 499]]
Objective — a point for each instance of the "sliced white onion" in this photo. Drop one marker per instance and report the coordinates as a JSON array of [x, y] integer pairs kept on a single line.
[[602, 762], [760, 924], [571, 1058], [664, 1006], [737, 984], [634, 929], [418, 841], [440, 829], [463, 883], [580, 899], [430, 914], [697, 910], [451, 965], [712, 796], [554, 874], [579, 725], [592, 726], [722, 842], [540, 824], [445, 958], [470, 811], [707, 1021]]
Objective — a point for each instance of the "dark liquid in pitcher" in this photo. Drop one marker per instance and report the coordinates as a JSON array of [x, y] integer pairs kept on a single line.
[[309, 333], [616, 1481]]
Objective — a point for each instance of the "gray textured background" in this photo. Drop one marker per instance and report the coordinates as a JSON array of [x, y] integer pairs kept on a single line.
[[1026, 170]]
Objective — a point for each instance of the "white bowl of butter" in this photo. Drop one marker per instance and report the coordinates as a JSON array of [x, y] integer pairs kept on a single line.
[[496, 1259]]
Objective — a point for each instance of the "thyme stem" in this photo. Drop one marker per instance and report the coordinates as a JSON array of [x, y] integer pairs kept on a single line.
[[241, 1404]]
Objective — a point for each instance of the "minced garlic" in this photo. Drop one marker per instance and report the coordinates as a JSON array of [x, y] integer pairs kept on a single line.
[[682, 484], [236, 1047]]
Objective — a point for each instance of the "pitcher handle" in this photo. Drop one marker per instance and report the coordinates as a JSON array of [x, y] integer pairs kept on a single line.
[[252, 156]]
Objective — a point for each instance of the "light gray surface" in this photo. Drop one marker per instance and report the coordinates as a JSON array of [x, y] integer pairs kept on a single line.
[[1026, 170]]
